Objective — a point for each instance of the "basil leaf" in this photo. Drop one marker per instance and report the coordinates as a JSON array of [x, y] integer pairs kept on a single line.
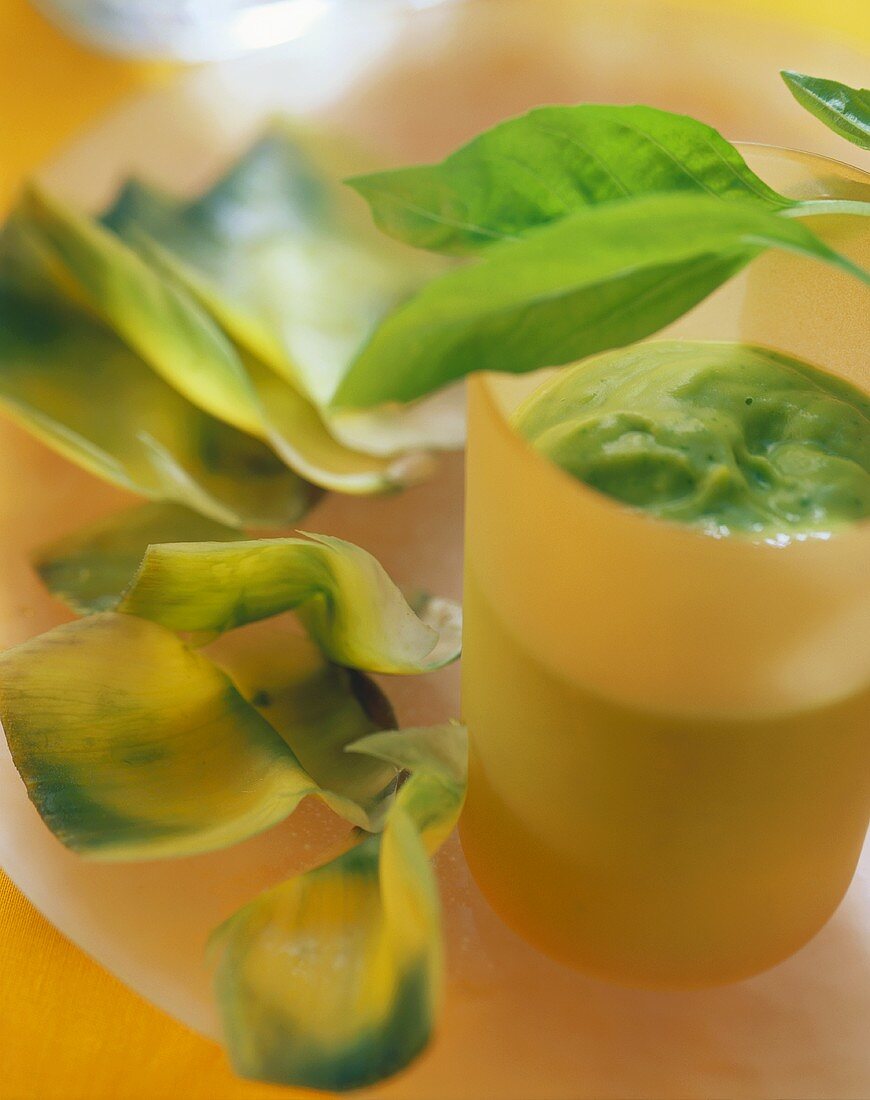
[[844, 110], [545, 165], [603, 277]]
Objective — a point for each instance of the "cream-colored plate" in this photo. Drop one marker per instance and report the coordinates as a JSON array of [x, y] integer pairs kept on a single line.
[[516, 1026]]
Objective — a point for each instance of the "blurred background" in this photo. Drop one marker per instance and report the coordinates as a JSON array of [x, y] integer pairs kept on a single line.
[[66, 62]]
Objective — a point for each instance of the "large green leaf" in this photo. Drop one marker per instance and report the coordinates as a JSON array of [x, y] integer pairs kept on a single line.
[[333, 979], [844, 110], [73, 383], [544, 165], [133, 746], [286, 261], [90, 568], [341, 593], [602, 277]]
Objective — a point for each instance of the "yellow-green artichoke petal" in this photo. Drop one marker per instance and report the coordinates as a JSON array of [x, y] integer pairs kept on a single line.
[[333, 980], [345, 599]]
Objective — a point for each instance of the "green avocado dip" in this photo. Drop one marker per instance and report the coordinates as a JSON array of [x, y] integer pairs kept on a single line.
[[726, 436]]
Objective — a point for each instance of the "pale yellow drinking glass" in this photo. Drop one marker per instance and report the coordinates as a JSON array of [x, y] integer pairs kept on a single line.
[[670, 732]]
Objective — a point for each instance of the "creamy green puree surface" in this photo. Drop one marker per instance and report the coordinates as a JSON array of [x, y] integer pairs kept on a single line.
[[725, 436]]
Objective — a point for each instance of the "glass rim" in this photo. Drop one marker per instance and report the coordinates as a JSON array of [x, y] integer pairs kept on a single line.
[[803, 154]]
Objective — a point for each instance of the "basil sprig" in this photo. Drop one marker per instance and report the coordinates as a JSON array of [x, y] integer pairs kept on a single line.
[[601, 278], [844, 110], [547, 164], [595, 226]]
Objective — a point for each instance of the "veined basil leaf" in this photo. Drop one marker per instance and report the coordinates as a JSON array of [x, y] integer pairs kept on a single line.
[[133, 746], [70, 381], [342, 595], [600, 278], [288, 263], [333, 980], [844, 110], [544, 165]]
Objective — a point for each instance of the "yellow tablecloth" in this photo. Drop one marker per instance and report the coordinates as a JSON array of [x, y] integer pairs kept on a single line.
[[68, 1030]]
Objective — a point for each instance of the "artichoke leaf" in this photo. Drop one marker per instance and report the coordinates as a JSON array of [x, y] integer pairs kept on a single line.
[[333, 980], [437, 758], [342, 595], [284, 185], [293, 426], [90, 568], [132, 562], [162, 312], [157, 320], [70, 381], [154, 309], [287, 262], [133, 746], [318, 708]]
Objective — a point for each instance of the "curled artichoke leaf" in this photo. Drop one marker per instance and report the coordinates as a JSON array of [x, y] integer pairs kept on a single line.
[[286, 260], [333, 980], [89, 568], [342, 595], [134, 746], [73, 383]]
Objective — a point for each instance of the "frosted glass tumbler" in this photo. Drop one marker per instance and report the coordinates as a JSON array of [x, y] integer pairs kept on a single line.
[[670, 732]]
